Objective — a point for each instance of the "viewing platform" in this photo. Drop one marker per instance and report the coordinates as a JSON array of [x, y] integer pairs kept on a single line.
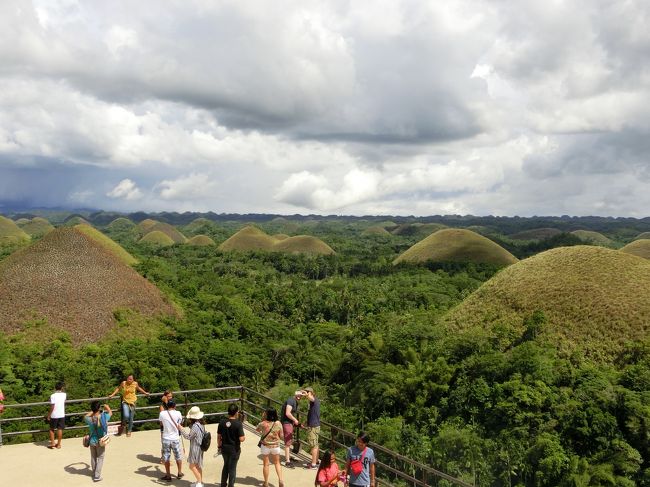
[[134, 462]]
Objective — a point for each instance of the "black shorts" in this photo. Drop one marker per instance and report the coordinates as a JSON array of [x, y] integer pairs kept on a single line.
[[57, 424]]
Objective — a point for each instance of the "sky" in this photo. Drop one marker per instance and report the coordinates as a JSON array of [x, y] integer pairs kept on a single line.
[[391, 107]]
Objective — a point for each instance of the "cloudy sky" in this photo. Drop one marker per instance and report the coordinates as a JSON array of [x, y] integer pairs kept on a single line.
[[527, 107]]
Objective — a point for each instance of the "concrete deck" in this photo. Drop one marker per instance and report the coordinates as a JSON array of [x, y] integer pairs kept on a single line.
[[133, 462]]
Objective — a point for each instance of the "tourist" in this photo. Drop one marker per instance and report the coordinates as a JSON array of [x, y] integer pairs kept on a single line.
[[270, 430], [313, 426], [195, 434], [127, 389], [328, 471], [171, 441], [360, 463], [56, 415], [289, 420], [167, 395], [98, 427], [230, 435]]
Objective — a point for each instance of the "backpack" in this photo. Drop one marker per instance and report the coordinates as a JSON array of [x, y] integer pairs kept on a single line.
[[207, 439]]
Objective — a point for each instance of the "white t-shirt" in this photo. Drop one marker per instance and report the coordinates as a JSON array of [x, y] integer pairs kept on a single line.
[[170, 431], [58, 399]]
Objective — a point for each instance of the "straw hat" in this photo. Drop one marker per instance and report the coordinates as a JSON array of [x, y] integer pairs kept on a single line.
[[195, 413]]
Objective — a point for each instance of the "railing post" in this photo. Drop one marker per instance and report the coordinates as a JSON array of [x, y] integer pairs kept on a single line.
[[242, 396]]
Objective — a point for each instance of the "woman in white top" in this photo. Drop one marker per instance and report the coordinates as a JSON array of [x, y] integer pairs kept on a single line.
[[270, 430]]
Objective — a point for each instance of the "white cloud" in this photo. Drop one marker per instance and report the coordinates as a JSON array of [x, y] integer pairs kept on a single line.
[[191, 187], [125, 190]]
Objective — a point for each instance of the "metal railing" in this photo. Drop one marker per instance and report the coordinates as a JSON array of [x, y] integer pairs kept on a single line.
[[392, 468]]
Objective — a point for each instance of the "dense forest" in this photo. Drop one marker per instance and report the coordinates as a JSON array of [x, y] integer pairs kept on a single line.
[[499, 408]]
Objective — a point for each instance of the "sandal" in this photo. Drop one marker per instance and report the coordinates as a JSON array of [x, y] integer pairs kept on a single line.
[[180, 475], [168, 478]]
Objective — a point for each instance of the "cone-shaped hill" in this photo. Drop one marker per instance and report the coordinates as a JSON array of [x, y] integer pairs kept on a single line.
[[457, 245], [75, 283], [37, 227], [417, 228], [10, 233], [303, 244], [157, 238], [73, 220], [121, 223], [145, 225], [536, 234], [593, 237], [640, 248], [376, 231], [252, 238], [594, 299], [200, 241], [167, 229]]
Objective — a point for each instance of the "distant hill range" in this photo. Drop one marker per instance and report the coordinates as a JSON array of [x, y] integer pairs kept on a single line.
[[594, 300], [75, 281]]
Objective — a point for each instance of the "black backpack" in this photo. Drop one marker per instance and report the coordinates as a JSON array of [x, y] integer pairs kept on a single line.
[[207, 439]]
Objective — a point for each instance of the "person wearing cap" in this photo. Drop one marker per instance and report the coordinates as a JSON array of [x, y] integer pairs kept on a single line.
[[171, 441], [195, 434], [313, 426], [289, 421]]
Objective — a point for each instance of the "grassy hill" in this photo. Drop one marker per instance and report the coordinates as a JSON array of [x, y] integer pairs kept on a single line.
[[75, 220], [417, 229], [376, 230], [157, 238], [644, 235], [252, 238], [595, 238], [74, 283], [457, 245], [107, 243], [10, 233], [200, 241], [145, 225], [37, 227], [594, 299], [168, 230], [121, 223], [640, 248]]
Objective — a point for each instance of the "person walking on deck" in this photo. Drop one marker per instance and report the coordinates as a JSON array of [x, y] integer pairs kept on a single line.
[[127, 389], [270, 430], [98, 426], [195, 434]]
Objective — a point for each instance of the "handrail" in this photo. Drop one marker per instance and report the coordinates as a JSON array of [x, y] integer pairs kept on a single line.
[[392, 464]]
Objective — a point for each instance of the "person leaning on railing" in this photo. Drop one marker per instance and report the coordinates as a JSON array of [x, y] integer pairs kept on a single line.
[[128, 390]]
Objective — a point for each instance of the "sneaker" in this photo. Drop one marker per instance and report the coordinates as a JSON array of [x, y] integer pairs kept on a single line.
[[288, 464], [99, 479], [312, 466]]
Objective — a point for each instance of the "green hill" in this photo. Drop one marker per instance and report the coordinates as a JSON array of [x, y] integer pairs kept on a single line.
[[594, 299], [145, 225], [303, 244], [457, 245], [200, 241], [640, 248], [376, 230], [594, 238], [417, 229], [74, 220], [168, 230], [157, 238], [107, 243], [10, 233], [248, 238], [75, 284], [643, 235], [37, 227], [121, 223]]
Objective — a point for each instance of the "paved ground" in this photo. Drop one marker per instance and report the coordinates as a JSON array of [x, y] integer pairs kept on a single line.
[[131, 462]]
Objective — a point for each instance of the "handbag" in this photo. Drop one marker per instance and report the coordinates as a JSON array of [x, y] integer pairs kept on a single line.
[[356, 465], [86, 441], [104, 440], [259, 443]]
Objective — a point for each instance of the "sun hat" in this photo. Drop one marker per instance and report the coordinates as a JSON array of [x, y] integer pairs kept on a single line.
[[194, 413]]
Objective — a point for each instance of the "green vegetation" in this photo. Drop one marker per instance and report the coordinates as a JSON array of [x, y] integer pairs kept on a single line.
[[121, 223], [498, 400], [457, 245], [593, 237], [536, 234], [376, 230]]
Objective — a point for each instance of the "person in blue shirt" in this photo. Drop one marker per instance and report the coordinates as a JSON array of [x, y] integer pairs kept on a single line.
[[98, 427], [360, 463]]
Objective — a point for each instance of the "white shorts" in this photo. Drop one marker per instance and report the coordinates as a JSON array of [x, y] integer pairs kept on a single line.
[[271, 451]]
